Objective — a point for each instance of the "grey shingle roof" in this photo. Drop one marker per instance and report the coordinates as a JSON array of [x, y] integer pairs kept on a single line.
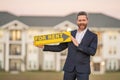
[[95, 20], [40, 20], [102, 20], [6, 17]]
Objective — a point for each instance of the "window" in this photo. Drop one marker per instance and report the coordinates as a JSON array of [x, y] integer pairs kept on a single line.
[[112, 51], [49, 65], [112, 65], [0, 64], [15, 49], [15, 35], [110, 37], [96, 66], [35, 66], [98, 53], [30, 64], [15, 64], [1, 33], [1, 48], [46, 64], [115, 37]]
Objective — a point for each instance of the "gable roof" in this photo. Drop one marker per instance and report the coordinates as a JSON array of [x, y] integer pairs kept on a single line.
[[40, 20], [6, 17], [95, 20]]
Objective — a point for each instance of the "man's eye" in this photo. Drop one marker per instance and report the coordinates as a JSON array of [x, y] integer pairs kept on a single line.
[[83, 19]]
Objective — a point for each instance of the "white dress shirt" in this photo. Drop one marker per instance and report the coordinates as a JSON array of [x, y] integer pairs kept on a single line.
[[79, 35]]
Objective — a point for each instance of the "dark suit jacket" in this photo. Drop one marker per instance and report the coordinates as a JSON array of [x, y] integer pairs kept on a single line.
[[78, 57]]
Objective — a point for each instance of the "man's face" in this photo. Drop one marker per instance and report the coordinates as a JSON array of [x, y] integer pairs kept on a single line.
[[82, 22]]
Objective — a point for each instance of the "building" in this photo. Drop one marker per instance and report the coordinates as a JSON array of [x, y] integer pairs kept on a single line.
[[17, 52]]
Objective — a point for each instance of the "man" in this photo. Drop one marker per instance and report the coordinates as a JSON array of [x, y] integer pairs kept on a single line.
[[83, 45]]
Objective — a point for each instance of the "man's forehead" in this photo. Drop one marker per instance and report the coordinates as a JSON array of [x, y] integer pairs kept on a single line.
[[82, 16]]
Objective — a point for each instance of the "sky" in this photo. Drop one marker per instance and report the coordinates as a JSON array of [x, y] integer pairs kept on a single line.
[[60, 7]]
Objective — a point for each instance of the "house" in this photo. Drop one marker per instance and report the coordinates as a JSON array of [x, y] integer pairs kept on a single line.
[[17, 52]]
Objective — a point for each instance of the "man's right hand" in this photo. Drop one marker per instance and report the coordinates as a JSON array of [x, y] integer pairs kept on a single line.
[[40, 46]]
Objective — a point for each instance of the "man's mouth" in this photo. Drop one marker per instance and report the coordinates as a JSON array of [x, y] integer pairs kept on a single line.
[[82, 24]]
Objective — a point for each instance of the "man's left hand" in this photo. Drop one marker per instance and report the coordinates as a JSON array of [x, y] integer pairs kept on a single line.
[[74, 41]]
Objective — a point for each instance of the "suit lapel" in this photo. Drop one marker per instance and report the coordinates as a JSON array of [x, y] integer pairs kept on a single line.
[[74, 33]]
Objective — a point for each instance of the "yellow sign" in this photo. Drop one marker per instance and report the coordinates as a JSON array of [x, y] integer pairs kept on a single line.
[[52, 38]]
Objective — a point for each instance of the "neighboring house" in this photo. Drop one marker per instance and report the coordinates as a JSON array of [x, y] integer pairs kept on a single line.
[[17, 52]]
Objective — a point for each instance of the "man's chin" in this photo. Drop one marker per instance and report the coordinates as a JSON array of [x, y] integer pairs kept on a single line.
[[82, 27]]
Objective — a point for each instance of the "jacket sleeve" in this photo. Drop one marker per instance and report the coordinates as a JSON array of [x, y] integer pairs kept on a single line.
[[55, 48], [91, 49]]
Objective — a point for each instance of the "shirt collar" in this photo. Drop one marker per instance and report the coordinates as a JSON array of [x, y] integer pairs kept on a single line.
[[84, 31]]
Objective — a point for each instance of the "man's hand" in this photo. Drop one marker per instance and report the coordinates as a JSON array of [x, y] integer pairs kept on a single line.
[[74, 41], [41, 46]]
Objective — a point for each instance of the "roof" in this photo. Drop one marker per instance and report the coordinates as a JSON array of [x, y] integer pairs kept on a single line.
[[102, 20], [40, 20], [6, 17], [95, 20]]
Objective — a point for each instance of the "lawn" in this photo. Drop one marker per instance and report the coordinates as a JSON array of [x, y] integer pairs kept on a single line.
[[53, 76], [107, 76]]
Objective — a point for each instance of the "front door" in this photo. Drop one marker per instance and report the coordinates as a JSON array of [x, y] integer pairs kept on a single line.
[[15, 65]]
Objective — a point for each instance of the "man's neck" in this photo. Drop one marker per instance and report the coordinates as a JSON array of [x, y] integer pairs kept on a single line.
[[80, 30]]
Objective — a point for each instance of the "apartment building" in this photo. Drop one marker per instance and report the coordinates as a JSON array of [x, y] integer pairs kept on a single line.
[[17, 52]]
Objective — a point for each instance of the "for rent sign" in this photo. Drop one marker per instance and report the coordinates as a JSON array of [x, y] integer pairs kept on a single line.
[[52, 38]]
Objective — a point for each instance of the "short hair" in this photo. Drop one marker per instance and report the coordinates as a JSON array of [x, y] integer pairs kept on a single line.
[[82, 13]]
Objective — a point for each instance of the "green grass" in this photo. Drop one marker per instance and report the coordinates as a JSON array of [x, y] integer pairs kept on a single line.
[[32, 76], [53, 76], [107, 76]]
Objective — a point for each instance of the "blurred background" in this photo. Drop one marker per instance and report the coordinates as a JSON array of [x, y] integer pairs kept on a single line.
[[21, 20]]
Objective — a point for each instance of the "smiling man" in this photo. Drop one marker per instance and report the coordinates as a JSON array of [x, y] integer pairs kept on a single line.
[[83, 45]]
